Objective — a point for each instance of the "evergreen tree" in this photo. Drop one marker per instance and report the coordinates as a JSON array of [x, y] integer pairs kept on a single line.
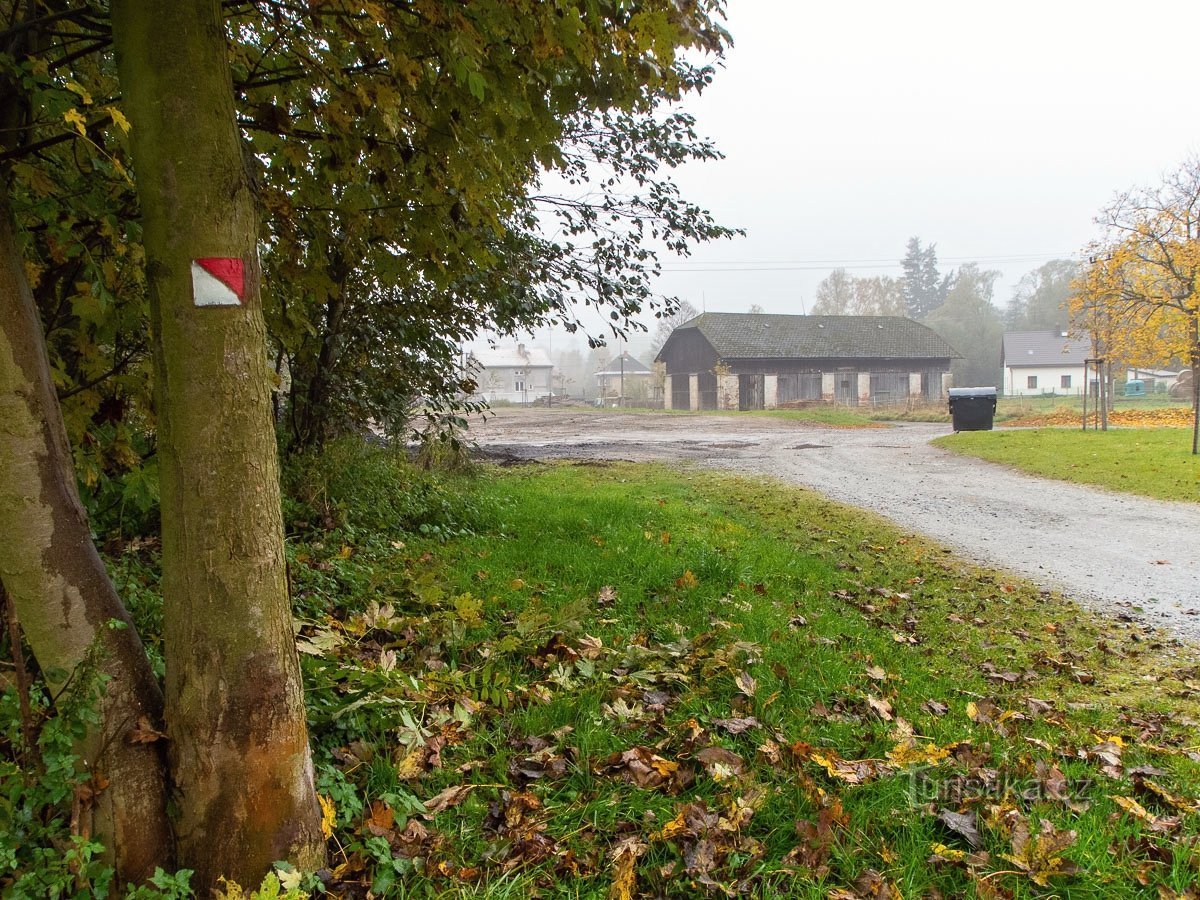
[[924, 287]]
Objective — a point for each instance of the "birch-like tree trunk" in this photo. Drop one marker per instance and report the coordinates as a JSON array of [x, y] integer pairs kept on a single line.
[[234, 706], [64, 599]]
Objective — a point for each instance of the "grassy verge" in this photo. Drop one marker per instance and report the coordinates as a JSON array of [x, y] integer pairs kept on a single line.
[[1151, 463], [630, 681], [617, 680]]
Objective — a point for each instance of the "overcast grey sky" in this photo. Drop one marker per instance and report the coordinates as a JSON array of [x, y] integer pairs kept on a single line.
[[996, 131]]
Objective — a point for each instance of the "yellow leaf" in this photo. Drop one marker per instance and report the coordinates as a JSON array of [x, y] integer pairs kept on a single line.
[[76, 88], [676, 826], [412, 765], [624, 859], [1134, 808], [76, 119], [118, 118], [948, 853], [663, 766], [328, 815], [909, 753]]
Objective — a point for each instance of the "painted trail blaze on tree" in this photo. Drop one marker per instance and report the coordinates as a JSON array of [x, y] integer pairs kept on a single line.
[[218, 281]]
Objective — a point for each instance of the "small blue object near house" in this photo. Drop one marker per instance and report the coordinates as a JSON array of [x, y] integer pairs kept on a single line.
[[973, 409], [1135, 387]]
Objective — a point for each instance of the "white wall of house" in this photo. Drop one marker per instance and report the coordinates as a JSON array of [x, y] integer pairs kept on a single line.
[[514, 385], [1067, 380]]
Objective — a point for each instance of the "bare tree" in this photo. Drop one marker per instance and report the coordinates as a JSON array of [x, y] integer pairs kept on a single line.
[[684, 312]]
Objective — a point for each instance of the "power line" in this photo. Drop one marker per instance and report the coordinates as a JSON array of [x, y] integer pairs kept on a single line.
[[822, 264]]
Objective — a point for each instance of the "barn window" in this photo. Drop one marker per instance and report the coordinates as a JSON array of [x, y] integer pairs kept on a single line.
[[1066, 381], [1031, 381]]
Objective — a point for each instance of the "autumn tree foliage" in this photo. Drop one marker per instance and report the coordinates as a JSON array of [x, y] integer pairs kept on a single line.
[[1039, 300], [420, 171], [842, 294], [434, 169], [1139, 297]]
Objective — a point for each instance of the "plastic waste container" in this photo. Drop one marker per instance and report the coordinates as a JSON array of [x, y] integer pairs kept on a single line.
[[1135, 387], [973, 409]]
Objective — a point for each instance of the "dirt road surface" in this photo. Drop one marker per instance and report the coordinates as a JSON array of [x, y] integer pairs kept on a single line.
[[1112, 552]]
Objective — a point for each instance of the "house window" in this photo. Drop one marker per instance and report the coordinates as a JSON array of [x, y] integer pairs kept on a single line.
[[1031, 381], [1066, 381], [518, 381]]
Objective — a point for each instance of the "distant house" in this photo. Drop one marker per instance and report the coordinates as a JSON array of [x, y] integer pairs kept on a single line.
[[761, 361], [624, 379], [1043, 362], [511, 374]]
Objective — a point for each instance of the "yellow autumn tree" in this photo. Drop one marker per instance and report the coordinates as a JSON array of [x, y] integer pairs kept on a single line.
[[1139, 298]]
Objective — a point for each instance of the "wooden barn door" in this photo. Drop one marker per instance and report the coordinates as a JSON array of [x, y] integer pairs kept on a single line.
[[750, 392]]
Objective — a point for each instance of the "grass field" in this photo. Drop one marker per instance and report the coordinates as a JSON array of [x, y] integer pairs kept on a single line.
[[622, 681], [1149, 462]]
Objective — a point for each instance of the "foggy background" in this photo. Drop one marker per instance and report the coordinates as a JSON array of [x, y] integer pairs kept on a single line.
[[996, 133]]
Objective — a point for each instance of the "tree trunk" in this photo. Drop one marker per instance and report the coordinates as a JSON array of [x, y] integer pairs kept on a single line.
[[235, 708], [59, 587], [314, 421], [1196, 397]]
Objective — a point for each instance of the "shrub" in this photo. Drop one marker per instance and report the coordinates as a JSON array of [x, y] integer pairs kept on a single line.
[[357, 487]]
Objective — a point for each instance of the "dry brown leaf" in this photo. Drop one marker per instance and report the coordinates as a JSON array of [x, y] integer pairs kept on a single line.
[[881, 708], [737, 725], [450, 797], [145, 733], [746, 683]]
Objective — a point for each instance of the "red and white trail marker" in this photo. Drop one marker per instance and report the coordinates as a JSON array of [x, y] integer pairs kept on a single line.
[[218, 281]]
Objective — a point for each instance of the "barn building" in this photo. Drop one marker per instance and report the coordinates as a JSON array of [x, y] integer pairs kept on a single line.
[[761, 361]]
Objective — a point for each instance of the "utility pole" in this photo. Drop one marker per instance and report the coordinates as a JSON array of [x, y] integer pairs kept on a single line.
[[621, 399]]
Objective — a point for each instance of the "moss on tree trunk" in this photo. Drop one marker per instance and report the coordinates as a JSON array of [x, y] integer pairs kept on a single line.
[[60, 589]]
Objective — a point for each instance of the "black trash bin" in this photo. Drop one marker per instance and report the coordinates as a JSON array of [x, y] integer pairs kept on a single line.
[[972, 409]]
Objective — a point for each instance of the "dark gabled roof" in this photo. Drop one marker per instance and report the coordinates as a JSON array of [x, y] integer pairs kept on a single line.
[[1044, 348], [768, 336], [633, 366]]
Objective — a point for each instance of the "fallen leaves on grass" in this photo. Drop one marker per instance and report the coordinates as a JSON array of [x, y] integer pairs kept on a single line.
[[1161, 417], [644, 768], [1040, 855]]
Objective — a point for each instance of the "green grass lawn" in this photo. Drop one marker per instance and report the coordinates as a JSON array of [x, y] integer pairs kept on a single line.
[[1150, 462], [629, 681]]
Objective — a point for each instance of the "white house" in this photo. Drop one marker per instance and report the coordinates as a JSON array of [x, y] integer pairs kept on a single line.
[[1043, 362], [511, 374]]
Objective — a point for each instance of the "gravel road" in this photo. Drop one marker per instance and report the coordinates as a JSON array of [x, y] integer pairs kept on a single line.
[[1112, 552]]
